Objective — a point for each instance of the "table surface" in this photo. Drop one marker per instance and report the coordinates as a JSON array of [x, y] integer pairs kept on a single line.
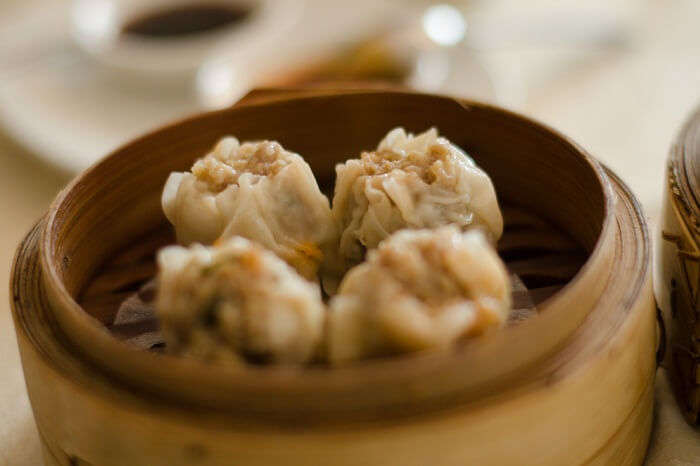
[[624, 106]]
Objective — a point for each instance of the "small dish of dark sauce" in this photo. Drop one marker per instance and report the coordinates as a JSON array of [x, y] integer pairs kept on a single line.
[[186, 20]]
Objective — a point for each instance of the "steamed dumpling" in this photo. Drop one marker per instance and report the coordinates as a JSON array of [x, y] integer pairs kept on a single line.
[[409, 181], [257, 190], [420, 289], [235, 302]]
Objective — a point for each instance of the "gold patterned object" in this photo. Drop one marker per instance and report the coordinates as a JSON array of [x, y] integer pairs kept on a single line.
[[678, 264], [569, 380]]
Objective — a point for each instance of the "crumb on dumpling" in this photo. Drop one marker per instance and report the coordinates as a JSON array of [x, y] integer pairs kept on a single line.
[[237, 302], [257, 190], [421, 181], [420, 289]]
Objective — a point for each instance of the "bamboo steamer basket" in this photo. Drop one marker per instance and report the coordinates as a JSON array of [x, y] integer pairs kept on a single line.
[[678, 266], [571, 384]]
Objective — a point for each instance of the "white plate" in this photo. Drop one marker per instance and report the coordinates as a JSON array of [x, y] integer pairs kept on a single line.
[[69, 110], [71, 106], [59, 104]]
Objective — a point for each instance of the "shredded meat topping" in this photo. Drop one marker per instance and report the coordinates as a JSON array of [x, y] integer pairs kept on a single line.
[[229, 160]]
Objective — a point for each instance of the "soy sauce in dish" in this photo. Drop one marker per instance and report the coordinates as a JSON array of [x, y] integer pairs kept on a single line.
[[186, 20]]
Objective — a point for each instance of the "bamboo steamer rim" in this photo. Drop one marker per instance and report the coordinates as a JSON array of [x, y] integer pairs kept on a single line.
[[469, 369], [684, 167]]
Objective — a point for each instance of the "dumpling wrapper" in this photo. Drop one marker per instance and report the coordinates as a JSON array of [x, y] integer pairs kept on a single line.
[[419, 290], [235, 302], [257, 190], [409, 181]]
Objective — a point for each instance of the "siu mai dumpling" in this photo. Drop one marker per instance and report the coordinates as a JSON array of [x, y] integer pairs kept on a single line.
[[420, 289], [257, 190], [409, 181], [237, 302]]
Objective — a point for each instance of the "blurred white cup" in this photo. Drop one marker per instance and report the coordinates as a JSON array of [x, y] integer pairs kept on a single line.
[[98, 28]]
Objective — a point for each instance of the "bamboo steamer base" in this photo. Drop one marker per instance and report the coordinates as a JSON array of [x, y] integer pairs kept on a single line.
[[626, 447], [589, 403]]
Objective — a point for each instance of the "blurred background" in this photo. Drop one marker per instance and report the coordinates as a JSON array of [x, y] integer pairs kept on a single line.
[[79, 78]]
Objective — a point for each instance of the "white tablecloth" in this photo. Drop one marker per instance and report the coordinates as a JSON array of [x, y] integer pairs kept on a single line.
[[624, 105]]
